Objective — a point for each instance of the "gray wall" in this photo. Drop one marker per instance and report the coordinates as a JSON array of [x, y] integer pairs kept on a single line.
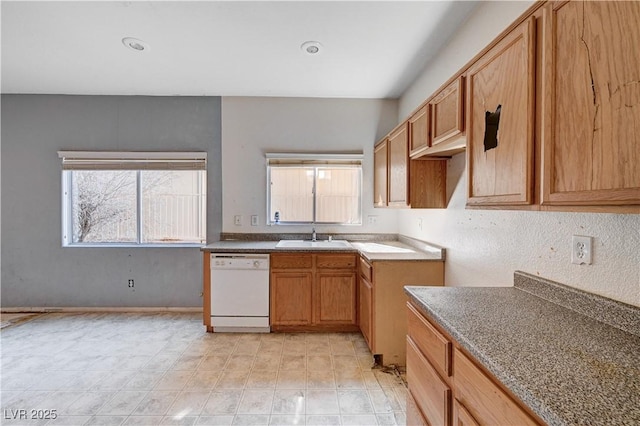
[[36, 270]]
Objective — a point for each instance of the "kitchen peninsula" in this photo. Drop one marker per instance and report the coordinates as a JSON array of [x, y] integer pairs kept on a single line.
[[539, 352]]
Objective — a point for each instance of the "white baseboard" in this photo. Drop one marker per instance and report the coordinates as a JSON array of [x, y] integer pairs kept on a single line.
[[49, 309]]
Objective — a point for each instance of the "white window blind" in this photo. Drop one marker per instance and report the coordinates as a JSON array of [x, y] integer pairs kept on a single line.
[[132, 160]]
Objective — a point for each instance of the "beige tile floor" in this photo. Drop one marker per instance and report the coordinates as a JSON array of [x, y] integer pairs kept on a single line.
[[152, 369]]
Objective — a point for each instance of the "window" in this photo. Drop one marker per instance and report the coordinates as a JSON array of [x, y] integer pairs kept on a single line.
[[310, 188], [133, 198]]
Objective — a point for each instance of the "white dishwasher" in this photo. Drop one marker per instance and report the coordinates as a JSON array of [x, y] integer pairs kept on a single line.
[[240, 292]]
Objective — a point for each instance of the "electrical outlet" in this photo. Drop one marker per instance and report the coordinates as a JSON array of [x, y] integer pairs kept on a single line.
[[131, 284], [581, 250], [372, 219], [254, 220], [237, 220]]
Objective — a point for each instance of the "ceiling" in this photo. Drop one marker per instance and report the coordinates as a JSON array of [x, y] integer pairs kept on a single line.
[[370, 49]]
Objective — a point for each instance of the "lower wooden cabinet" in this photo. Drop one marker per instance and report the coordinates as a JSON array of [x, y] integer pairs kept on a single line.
[[461, 416], [313, 291], [484, 400], [382, 301], [432, 394], [464, 395]]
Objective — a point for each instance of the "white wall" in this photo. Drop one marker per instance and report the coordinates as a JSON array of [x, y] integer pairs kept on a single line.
[[484, 247], [253, 126]]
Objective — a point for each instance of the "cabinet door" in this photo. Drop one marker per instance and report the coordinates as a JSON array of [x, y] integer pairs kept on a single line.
[[500, 121], [380, 174], [447, 112], [335, 297], [291, 298], [591, 109], [419, 131], [365, 310], [399, 167]]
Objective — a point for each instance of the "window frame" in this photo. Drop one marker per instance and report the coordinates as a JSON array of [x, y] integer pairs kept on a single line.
[[133, 161], [315, 162]]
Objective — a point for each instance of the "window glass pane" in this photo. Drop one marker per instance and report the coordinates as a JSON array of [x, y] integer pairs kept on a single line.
[[338, 195], [292, 193], [173, 206], [103, 206]]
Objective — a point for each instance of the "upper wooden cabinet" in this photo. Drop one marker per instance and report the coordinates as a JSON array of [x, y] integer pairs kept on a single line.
[[591, 103], [380, 177], [408, 183], [447, 112], [419, 131], [500, 121], [398, 167]]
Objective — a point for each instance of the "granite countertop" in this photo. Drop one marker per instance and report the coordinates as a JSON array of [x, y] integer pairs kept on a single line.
[[403, 248], [572, 357]]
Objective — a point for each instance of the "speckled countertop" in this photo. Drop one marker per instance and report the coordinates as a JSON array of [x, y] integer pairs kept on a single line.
[[572, 357], [373, 248]]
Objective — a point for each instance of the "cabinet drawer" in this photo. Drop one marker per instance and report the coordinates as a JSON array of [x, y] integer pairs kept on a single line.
[[366, 270], [431, 393], [336, 261], [435, 346], [484, 400], [291, 261], [461, 416]]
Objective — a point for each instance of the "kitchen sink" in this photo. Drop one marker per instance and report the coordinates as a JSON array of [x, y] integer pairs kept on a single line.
[[324, 244]]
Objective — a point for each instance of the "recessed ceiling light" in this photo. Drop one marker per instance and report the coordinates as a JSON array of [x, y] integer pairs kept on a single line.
[[135, 44], [311, 47]]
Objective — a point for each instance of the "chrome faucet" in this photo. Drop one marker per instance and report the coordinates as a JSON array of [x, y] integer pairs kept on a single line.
[[313, 234]]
